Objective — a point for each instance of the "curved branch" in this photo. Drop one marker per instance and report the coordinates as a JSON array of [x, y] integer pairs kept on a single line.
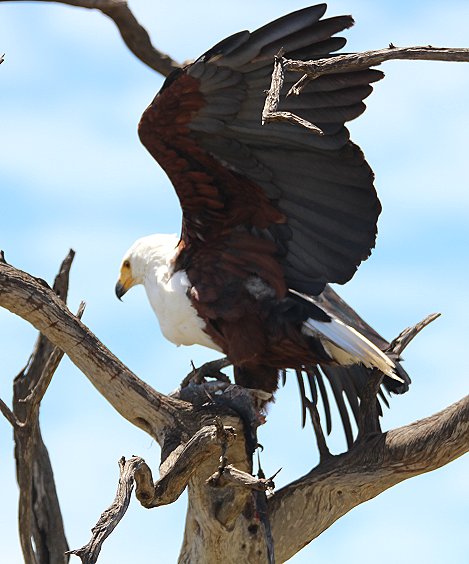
[[34, 301], [132, 32], [113, 514], [305, 508], [184, 462]]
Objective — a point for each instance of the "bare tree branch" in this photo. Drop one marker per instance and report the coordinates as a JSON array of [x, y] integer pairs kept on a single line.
[[135, 471], [398, 344], [342, 63], [132, 398], [341, 483], [41, 527], [202, 446], [359, 61], [8, 414], [229, 475], [134, 35], [270, 113], [113, 515]]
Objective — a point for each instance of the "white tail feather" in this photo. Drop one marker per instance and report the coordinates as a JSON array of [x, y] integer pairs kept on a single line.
[[346, 346]]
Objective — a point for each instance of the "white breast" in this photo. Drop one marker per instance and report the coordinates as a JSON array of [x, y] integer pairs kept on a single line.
[[178, 320]]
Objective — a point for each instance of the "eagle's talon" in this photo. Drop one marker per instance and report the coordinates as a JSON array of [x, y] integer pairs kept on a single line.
[[211, 369]]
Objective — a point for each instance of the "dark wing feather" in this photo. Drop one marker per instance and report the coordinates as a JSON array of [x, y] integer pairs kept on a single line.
[[310, 197]]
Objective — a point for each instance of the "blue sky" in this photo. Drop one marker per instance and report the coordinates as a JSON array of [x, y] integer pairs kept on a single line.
[[73, 174]]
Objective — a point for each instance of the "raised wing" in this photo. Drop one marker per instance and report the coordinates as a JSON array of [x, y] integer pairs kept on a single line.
[[297, 209]]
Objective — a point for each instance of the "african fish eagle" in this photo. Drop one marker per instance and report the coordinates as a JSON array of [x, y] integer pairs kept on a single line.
[[271, 214]]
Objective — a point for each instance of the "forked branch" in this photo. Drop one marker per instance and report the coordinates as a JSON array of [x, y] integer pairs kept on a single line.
[[41, 527], [135, 471], [33, 300], [313, 69], [204, 445]]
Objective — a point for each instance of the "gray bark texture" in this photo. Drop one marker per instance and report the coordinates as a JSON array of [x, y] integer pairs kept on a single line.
[[230, 518]]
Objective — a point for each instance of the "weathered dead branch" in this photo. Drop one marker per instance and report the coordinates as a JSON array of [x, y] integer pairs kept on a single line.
[[360, 61], [204, 445], [41, 527], [229, 475], [8, 414], [342, 63], [111, 517], [270, 112], [184, 464], [398, 344], [133, 399], [133, 33], [369, 468]]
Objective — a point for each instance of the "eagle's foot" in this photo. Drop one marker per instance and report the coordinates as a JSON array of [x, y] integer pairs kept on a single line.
[[210, 369], [246, 403]]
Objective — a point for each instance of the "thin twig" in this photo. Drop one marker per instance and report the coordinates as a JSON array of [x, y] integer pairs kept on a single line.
[[405, 337], [324, 452], [36, 395], [8, 414]]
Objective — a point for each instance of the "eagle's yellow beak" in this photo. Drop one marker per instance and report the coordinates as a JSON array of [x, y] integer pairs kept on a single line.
[[125, 281]]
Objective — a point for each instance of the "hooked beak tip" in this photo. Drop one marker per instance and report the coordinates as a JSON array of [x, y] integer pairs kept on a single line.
[[120, 290]]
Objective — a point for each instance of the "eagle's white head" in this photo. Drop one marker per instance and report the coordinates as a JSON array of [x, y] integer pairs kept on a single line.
[[145, 256], [149, 261]]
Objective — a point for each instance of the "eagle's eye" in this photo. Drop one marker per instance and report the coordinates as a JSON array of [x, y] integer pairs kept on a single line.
[[126, 264]]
